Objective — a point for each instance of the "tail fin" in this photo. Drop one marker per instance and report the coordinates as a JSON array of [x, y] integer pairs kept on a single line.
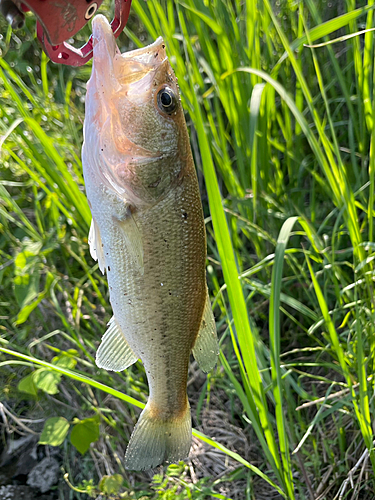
[[155, 440]]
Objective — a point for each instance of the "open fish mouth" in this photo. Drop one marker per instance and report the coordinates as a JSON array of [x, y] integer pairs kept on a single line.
[[122, 87], [114, 69], [124, 126]]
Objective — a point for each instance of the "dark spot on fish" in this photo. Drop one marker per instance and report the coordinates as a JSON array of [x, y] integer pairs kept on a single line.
[[156, 55], [165, 240], [170, 293], [185, 215], [155, 183], [130, 301], [125, 293], [163, 46], [109, 268], [101, 149]]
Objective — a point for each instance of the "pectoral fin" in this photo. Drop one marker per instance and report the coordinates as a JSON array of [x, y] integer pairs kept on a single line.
[[206, 347], [114, 352], [133, 240], [96, 247]]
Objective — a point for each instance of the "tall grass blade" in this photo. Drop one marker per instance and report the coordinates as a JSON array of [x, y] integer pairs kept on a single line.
[[274, 328]]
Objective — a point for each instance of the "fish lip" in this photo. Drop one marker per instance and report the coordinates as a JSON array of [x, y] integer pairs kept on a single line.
[[109, 64], [143, 53], [140, 64], [101, 30], [104, 52]]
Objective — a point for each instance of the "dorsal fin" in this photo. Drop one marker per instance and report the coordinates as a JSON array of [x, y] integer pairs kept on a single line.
[[114, 352], [206, 347]]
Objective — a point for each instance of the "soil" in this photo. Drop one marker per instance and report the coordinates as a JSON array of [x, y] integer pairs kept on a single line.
[[26, 472]]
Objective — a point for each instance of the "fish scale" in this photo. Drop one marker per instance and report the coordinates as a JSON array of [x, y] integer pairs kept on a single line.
[[148, 235], [160, 316]]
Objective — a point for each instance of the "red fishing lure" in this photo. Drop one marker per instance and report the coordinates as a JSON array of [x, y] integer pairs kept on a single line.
[[59, 20]]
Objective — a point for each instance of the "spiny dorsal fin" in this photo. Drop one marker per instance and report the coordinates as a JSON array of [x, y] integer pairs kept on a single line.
[[133, 240], [114, 352], [206, 347], [96, 246]]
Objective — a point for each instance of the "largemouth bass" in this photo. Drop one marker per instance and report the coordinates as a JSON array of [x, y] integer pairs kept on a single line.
[[148, 235]]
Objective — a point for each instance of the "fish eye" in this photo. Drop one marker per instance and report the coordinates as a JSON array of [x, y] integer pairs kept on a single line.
[[166, 100]]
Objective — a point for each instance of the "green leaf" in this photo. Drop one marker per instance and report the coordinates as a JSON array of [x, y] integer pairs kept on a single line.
[[28, 309], [47, 381], [27, 275], [26, 287], [111, 485], [251, 376], [327, 28], [65, 361], [76, 376], [27, 385], [84, 433], [275, 341], [61, 174], [31, 290], [25, 259], [216, 28], [54, 431]]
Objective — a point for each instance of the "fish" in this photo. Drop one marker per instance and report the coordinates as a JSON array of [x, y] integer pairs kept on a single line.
[[148, 235]]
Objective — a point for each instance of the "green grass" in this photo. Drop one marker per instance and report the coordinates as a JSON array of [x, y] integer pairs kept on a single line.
[[283, 138]]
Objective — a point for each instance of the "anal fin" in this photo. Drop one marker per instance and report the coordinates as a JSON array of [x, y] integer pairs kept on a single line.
[[114, 352], [96, 246], [206, 347]]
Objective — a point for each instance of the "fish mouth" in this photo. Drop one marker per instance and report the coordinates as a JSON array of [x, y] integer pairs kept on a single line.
[[114, 69], [118, 83]]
